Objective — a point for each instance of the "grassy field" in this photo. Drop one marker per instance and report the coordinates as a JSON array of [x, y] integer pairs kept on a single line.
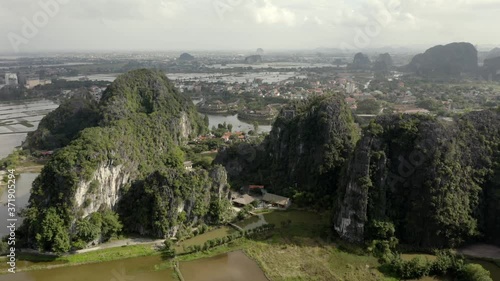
[[202, 238], [298, 249], [285, 258], [27, 262]]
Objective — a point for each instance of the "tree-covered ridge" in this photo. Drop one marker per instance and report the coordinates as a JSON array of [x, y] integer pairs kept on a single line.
[[138, 92], [143, 120], [62, 125], [303, 155], [435, 180], [170, 201], [446, 61], [148, 92]]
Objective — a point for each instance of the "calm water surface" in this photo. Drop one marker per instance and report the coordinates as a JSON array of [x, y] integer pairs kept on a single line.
[[23, 188], [234, 266], [140, 269]]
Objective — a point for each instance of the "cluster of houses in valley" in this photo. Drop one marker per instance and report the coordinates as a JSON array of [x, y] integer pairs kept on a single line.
[[250, 194], [226, 137]]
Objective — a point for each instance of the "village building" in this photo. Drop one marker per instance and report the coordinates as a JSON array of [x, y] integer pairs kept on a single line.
[[277, 200], [188, 165], [253, 189], [243, 200]]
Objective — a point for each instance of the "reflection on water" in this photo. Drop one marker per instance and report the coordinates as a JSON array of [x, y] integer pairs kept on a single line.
[[234, 266], [227, 267], [238, 125], [210, 235], [23, 188], [252, 222], [140, 269]]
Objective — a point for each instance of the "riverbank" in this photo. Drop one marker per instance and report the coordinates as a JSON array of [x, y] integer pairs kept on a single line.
[[292, 251], [298, 248], [261, 119]]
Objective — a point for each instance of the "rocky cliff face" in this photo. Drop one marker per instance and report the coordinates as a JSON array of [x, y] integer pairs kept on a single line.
[[303, 154], [433, 179], [102, 191], [171, 200], [142, 121], [491, 69], [446, 61]]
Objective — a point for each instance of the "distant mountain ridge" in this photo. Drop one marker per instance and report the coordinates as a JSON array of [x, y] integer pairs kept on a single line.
[[451, 60]]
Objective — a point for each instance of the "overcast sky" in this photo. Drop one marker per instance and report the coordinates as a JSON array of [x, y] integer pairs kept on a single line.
[[243, 24]]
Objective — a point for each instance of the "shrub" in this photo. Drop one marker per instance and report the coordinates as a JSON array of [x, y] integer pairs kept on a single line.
[[446, 263], [474, 272], [413, 269], [168, 250]]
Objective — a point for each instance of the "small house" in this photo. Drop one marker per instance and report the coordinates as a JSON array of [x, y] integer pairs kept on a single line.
[[277, 200], [253, 189], [188, 165], [243, 200]]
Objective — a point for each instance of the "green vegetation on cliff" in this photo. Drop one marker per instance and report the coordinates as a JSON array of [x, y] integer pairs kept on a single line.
[[437, 181], [140, 123], [161, 202], [62, 125], [303, 155]]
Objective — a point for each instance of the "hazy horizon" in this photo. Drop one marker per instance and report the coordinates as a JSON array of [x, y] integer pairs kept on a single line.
[[34, 26]]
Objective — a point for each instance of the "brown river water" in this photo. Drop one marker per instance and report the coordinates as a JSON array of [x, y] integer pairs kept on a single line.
[[234, 266]]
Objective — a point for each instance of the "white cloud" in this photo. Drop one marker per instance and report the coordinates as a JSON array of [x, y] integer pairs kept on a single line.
[[188, 24], [272, 14]]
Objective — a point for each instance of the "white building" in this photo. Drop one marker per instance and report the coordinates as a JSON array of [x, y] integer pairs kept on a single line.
[[350, 87], [11, 79]]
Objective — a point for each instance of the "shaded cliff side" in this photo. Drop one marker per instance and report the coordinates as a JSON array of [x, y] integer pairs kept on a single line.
[[437, 181], [303, 154], [446, 61], [62, 125], [142, 120], [168, 201]]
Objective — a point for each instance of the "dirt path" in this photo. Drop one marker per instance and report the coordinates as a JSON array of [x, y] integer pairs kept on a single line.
[[481, 251], [124, 242]]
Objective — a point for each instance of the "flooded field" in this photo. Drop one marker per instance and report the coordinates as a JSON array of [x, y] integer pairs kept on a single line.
[[23, 188], [95, 77], [225, 267], [202, 238], [280, 65], [17, 119], [252, 222], [267, 77], [238, 125], [143, 269]]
